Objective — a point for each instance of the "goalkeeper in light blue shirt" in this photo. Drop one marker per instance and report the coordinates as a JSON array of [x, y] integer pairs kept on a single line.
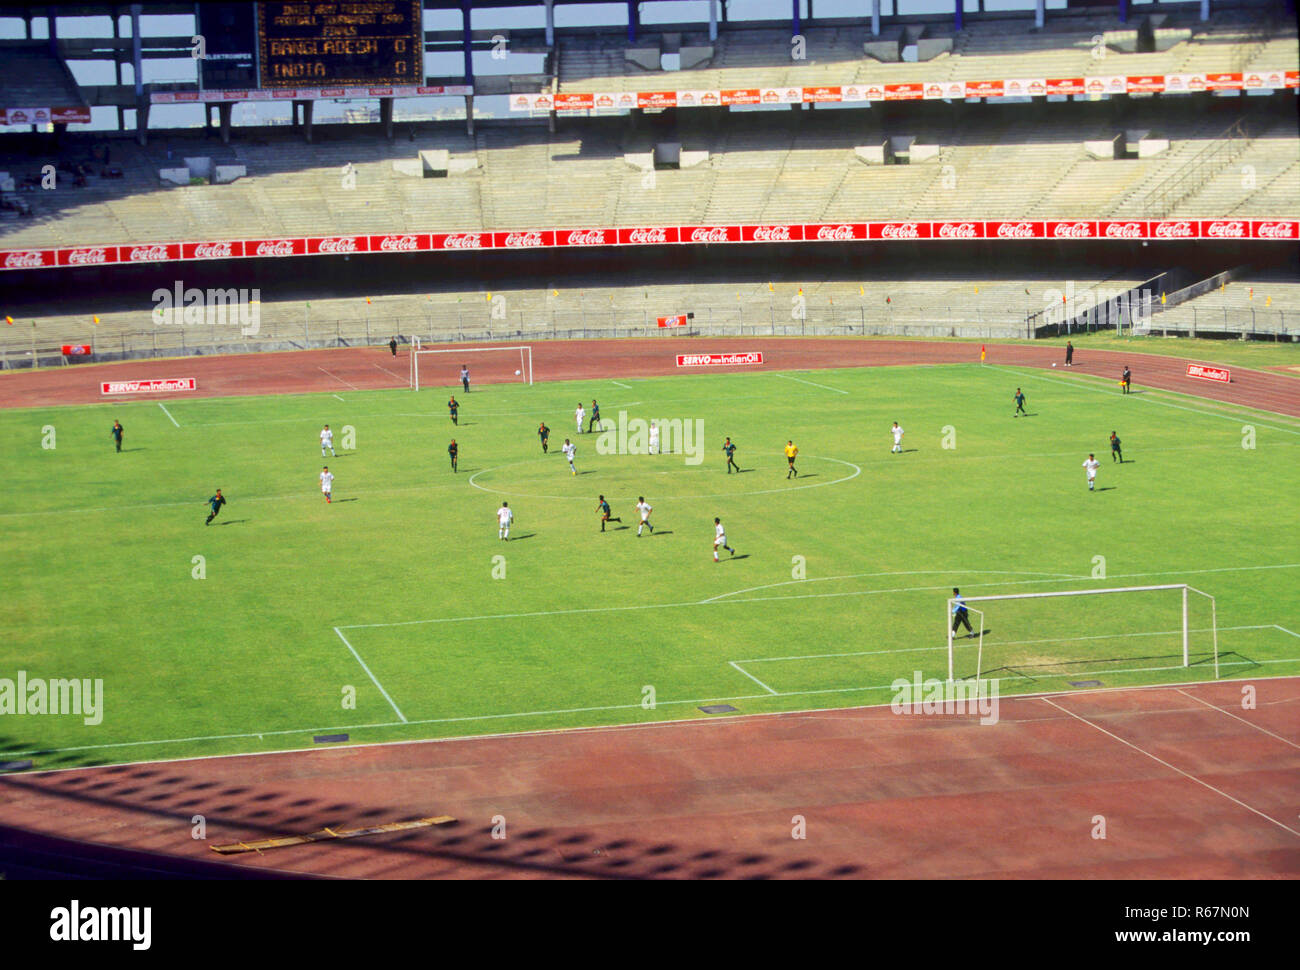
[[959, 617]]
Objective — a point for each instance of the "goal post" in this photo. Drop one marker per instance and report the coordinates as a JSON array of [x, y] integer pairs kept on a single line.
[[518, 359], [1043, 634]]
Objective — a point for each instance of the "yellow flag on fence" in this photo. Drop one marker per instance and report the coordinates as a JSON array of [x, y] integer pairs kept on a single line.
[[861, 291], [977, 289], [94, 320], [555, 292], [770, 288], [9, 320]]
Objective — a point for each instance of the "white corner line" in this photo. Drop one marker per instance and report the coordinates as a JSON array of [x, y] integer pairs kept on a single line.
[[1216, 707], [372, 677], [168, 413], [1285, 630], [824, 387], [742, 670], [1191, 777]]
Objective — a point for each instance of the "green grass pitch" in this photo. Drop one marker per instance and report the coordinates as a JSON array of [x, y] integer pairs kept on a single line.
[[386, 615]]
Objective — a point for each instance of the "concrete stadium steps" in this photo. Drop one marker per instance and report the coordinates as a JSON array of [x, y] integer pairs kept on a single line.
[[1268, 157], [1087, 181], [1187, 139], [1263, 303], [1277, 195], [920, 299]]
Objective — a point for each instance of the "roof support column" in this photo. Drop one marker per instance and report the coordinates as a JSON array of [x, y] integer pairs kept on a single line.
[[550, 23], [875, 18], [1205, 9], [137, 65], [713, 19], [957, 14], [794, 18], [467, 40], [1040, 13], [632, 20]]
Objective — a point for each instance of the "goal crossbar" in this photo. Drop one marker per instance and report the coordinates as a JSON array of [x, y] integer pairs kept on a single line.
[[1214, 622], [525, 358]]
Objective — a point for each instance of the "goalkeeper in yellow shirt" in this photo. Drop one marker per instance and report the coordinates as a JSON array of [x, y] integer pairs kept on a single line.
[[791, 452]]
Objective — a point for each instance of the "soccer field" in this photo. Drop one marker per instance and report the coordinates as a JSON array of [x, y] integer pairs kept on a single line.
[[396, 613]]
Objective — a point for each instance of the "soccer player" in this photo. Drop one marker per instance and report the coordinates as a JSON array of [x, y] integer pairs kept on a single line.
[[1069, 354], [729, 450], [654, 437], [326, 483], [544, 433], [645, 509], [117, 434], [720, 539], [1020, 404], [454, 407], [959, 617], [578, 415], [453, 450], [1092, 464], [216, 502], [603, 509], [1126, 378], [897, 432], [326, 441], [464, 377], [392, 346], [595, 416], [570, 450], [1115, 452], [504, 517], [791, 452]]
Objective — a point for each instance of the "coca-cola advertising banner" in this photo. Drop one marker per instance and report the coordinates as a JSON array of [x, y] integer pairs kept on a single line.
[[1270, 79], [599, 236], [76, 350], [677, 321]]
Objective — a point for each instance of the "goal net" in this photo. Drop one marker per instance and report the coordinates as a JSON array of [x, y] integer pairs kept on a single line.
[[1078, 635], [440, 366]]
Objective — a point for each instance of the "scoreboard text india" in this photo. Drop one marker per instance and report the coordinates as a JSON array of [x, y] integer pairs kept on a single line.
[[309, 43]]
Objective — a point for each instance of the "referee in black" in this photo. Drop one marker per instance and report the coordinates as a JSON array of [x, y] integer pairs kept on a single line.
[[959, 617]]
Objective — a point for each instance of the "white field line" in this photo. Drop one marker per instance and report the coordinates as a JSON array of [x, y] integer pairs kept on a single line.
[[1187, 775], [373, 678], [824, 387], [1201, 700], [911, 572], [621, 384], [405, 380], [1285, 630], [1000, 643], [1249, 418], [766, 599], [341, 399], [857, 470], [168, 413], [737, 666], [337, 378], [549, 731]]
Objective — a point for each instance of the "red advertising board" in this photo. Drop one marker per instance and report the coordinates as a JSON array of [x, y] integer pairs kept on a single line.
[[784, 233], [337, 245], [76, 350], [904, 92], [677, 321], [648, 236], [409, 242], [1065, 85], [154, 386], [656, 99], [574, 102], [1207, 373], [898, 230], [740, 96], [719, 360]]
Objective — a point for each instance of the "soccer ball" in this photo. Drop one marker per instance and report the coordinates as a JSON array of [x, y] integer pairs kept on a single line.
[[1053, 363], [518, 372]]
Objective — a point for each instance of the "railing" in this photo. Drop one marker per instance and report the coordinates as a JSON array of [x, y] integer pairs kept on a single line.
[[1202, 167], [741, 321]]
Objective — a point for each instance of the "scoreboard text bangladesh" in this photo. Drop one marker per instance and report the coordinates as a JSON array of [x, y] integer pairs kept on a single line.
[[310, 44]]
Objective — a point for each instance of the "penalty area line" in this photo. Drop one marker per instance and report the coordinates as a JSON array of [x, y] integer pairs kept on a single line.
[[337, 378], [168, 413], [373, 678], [742, 670], [824, 387]]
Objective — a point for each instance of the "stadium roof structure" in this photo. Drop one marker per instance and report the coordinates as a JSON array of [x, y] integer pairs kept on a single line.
[[36, 86]]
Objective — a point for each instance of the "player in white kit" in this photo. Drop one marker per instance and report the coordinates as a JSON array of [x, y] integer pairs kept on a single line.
[[1092, 464], [645, 509], [720, 539], [654, 438], [570, 449], [578, 415], [326, 482], [504, 517], [897, 432], [326, 441]]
